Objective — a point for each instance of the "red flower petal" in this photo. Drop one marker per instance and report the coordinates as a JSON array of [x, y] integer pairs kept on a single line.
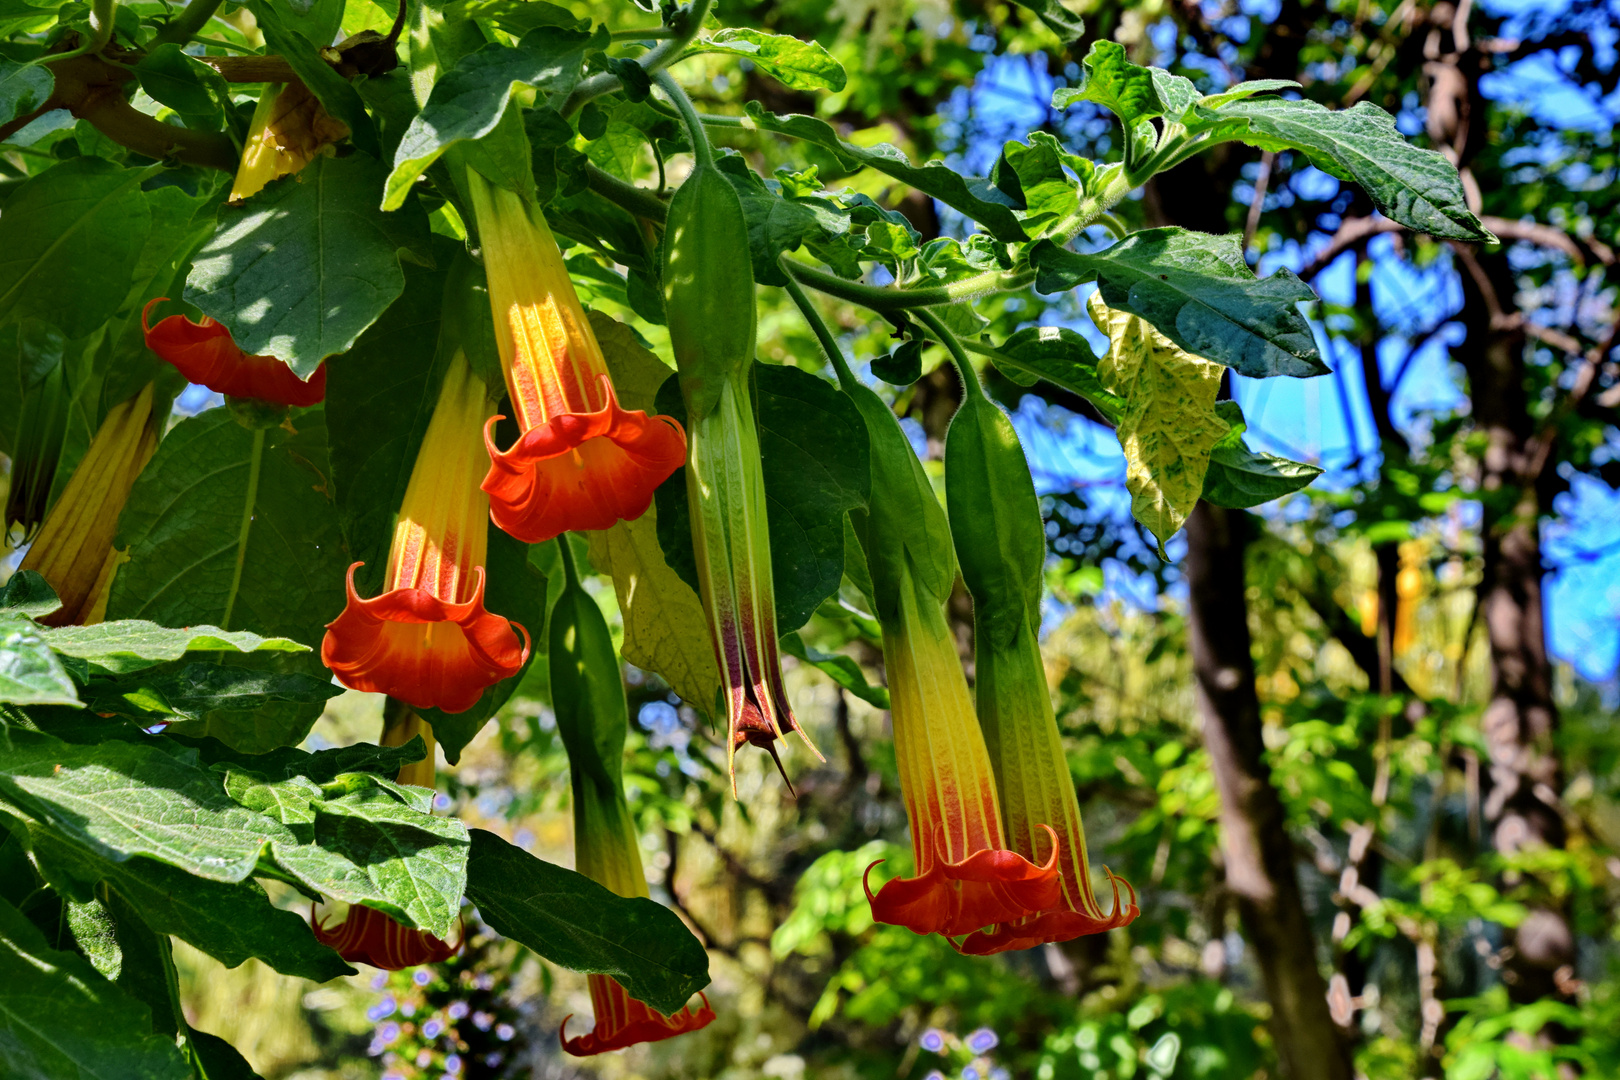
[[581, 471], [990, 886], [421, 649], [623, 1021], [367, 936], [206, 355], [1050, 926]]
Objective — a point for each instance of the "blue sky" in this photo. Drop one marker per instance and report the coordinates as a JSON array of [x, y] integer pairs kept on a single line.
[[1327, 420]]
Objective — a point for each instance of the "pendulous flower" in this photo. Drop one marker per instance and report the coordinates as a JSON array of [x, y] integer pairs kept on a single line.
[[289, 129], [1001, 543], [366, 935], [581, 462], [74, 547], [427, 639], [205, 353], [592, 716]]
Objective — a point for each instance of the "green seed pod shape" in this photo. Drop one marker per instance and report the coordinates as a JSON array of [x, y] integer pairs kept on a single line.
[[708, 288], [995, 519]]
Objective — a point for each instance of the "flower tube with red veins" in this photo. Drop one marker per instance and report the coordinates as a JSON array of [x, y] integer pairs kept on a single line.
[[588, 700], [427, 639], [366, 935], [581, 462], [205, 354]]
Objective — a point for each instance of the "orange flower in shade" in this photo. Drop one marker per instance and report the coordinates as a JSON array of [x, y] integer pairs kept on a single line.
[[74, 547], [593, 718], [205, 354], [582, 462], [966, 879], [366, 935], [427, 639]]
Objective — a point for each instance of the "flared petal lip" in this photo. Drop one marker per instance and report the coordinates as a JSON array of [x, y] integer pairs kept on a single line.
[[653, 1029], [368, 936], [490, 639], [534, 488], [989, 887], [206, 354], [1053, 926]]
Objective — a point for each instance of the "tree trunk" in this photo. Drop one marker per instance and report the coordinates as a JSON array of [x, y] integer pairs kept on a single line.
[[1260, 864]]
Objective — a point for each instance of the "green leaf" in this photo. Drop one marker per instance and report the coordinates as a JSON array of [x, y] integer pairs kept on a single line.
[[69, 242], [1240, 478], [1108, 78], [321, 767], [23, 88], [214, 695], [63, 1021], [335, 93], [972, 196], [123, 799], [370, 848], [1199, 292], [300, 270], [1169, 423], [1418, 188], [126, 645], [575, 923], [1063, 358], [216, 1059], [30, 673], [1058, 18], [1246, 89], [777, 223], [798, 65], [235, 528], [470, 99], [184, 84], [842, 669], [901, 367], [516, 17], [813, 449], [1036, 173], [229, 921]]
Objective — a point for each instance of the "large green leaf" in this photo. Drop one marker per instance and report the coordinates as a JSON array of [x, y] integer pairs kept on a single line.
[[126, 645], [214, 695], [798, 65], [235, 528], [320, 767], [1418, 188], [1168, 424], [1063, 358], [23, 88], [69, 242], [30, 673], [1199, 292], [1037, 176], [369, 847], [813, 447], [301, 269], [1108, 78], [972, 196], [580, 925], [470, 99], [229, 921], [120, 799], [61, 1020], [27, 593], [185, 84], [1239, 477]]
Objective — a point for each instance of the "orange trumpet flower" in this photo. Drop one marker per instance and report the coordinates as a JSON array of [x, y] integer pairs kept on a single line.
[[582, 462], [427, 639]]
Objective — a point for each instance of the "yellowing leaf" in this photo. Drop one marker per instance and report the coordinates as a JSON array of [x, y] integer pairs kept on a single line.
[[1168, 425], [665, 630]]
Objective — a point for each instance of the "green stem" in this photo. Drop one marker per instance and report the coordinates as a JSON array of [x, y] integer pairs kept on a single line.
[[102, 15], [701, 150], [221, 43], [1113, 225], [646, 33], [656, 59], [818, 326], [886, 298], [638, 200], [249, 506], [964, 366], [188, 22], [566, 554]]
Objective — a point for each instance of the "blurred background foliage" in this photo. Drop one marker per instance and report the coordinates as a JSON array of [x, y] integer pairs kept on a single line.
[[1375, 660]]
